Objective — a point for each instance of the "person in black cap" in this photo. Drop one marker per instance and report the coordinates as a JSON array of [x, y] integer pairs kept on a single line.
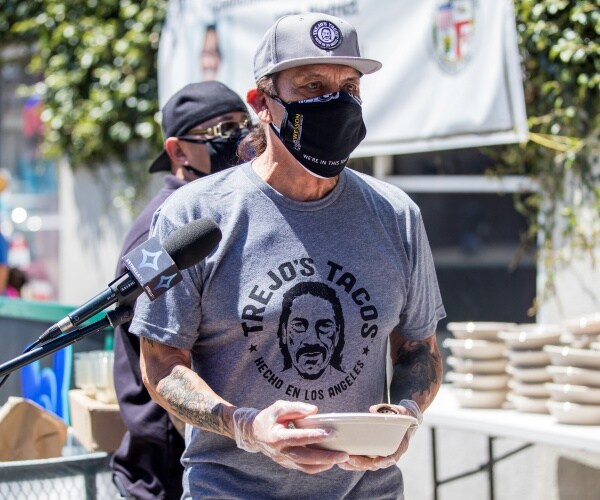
[[202, 125]]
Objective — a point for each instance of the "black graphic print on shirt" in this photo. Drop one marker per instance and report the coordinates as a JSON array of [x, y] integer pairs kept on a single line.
[[326, 325]]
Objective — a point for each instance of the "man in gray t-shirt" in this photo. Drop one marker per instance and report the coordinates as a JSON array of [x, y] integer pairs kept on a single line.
[[318, 270]]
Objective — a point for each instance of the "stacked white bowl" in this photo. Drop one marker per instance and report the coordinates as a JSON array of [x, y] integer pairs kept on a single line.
[[478, 363], [527, 364], [575, 373]]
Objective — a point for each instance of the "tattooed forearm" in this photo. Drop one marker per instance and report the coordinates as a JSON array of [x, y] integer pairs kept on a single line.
[[417, 371], [191, 405], [166, 372]]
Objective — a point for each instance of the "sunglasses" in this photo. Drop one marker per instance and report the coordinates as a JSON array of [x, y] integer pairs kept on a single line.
[[223, 130]]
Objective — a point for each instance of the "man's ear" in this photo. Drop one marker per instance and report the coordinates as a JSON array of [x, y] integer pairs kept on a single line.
[[257, 99], [173, 149]]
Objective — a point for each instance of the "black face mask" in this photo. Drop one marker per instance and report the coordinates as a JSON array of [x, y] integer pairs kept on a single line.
[[222, 154], [322, 132]]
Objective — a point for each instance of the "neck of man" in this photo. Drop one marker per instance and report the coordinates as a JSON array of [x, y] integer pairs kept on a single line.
[[278, 168]]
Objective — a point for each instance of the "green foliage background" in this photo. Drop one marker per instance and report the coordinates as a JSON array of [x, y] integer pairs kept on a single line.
[[560, 46], [97, 61]]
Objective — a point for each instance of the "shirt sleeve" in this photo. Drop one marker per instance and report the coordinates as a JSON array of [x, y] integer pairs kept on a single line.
[[423, 308], [174, 317]]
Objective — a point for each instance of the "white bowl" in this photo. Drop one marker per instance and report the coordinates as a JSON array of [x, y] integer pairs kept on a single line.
[[467, 365], [574, 393], [584, 324], [529, 357], [372, 434], [478, 381], [529, 389], [532, 336], [574, 413], [482, 330], [527, 404], [470, 398], [578, 341], [475, 349], [574, 375], [531, 375], [571, 356]]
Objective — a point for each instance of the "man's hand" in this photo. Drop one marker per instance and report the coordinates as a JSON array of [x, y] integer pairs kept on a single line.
[[361, 463], [269, 432]]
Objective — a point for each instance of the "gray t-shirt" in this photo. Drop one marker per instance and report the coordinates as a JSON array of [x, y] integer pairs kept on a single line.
[[295, 303]]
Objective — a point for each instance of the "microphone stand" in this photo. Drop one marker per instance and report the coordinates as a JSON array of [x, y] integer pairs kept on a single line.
[[113, 318]]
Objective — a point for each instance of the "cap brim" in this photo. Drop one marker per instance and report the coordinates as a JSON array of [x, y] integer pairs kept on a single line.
[[361, 64], [162, 163]]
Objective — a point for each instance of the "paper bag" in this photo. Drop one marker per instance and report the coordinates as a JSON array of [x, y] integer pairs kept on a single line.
[[29, 432]]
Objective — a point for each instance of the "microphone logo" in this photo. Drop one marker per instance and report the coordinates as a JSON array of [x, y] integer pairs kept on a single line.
[[165, 281], [152, 267], [150, 259]]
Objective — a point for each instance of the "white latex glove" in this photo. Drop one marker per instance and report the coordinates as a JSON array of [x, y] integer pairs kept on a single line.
[[404, 407], [268, 431]]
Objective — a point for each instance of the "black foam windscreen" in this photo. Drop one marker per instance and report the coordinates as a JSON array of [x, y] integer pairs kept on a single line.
[[190, 243]]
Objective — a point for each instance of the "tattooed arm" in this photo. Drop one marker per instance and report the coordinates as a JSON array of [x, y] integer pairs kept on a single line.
[[173, 385], [417, 378], [417, 369], [179, 390]]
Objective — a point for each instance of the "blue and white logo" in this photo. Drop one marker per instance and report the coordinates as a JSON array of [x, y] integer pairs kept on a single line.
[[150, 259], [165, 281]]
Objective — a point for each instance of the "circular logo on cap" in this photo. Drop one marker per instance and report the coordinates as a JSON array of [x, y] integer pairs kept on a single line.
[[326, 35]]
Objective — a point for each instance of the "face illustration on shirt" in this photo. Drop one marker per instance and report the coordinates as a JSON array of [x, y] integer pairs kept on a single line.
[[311, 329]]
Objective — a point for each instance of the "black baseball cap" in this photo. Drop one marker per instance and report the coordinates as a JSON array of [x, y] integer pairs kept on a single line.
[[193, 104]]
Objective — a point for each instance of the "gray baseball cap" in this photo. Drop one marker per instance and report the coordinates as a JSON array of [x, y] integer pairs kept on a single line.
[[312, 38]]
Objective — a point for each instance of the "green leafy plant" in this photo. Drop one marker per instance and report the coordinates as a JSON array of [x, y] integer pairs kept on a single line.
[[96, 60], [559, 42]]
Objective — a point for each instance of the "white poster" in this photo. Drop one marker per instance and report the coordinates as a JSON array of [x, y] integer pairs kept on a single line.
[[180, 47], [451, 76]]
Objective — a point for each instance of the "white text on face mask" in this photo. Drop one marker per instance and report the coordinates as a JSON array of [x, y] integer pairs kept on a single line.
[[331, 163]]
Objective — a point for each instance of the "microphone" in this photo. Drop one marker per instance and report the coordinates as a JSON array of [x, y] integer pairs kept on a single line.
[[152, 269]]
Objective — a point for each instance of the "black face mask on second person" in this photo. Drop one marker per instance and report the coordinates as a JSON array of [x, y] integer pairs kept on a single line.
[[223, 153], [322, 132]]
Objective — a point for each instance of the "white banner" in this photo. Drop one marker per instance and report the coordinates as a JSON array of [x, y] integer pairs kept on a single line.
[[451, 76]]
